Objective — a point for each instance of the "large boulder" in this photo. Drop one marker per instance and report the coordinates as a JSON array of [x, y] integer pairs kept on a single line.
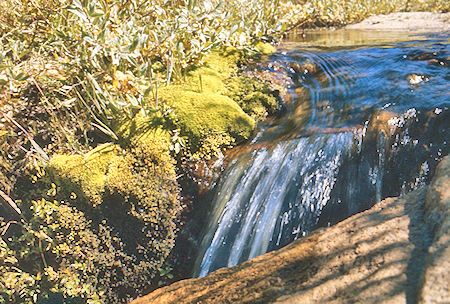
[[436, 278]]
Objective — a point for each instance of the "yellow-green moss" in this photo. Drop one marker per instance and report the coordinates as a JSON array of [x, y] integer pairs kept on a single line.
[[253, 96], [136, 198], [141, 129], [88, 175], [201, 114], [144, 173], [204, 112], [83, 174], [211, 77], [265, 48]]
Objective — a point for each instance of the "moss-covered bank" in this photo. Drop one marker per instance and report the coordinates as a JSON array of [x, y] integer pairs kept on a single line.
[[100, 225]]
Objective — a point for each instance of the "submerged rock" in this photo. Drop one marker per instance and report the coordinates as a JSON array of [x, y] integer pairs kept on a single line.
[[376, 256]]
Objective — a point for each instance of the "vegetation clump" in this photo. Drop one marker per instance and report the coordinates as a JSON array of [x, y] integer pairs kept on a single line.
[[103, 229], [254, 96], [84, 175], [208, 118]]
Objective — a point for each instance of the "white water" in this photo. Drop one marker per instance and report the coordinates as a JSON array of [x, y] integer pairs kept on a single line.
[[296, 176]]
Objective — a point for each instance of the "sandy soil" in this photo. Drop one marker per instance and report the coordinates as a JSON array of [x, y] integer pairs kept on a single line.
[[412, 21]]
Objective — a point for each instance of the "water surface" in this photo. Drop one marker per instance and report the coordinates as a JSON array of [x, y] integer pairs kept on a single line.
[[367, 117]]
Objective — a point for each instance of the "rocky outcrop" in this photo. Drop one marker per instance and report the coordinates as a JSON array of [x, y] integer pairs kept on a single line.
[[377, 256], [406, 21], [436, 278]]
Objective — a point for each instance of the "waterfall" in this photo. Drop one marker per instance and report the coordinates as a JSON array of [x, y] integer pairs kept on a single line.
[[359, 132], [287, 185]]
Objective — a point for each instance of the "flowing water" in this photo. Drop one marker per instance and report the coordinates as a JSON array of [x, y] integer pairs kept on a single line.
[[366, 117]]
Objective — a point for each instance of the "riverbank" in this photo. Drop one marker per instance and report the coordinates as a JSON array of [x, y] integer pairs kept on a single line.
[[216, 282], [417, 22]]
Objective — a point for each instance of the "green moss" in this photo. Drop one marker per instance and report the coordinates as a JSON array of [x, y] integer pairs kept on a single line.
[[253, 96], [83, 174], [141, 129], [211, 77], [265, 48], [204, 113], [201, 114]]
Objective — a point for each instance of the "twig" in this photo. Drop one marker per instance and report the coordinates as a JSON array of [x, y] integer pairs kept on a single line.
[[7, 226], [298, 24], [27, 134], [13, 205], [42, 254]]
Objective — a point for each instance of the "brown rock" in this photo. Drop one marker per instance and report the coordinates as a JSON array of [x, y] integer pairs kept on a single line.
[[381, 122], [406, 21], [436, 278]]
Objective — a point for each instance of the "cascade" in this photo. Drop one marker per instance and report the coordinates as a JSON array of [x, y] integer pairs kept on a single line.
[[357, 132]]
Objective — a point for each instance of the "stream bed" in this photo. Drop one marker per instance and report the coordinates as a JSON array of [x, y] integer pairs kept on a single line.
[[366, 117]]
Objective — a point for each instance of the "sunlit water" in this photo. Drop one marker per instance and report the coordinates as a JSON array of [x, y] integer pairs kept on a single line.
[[367, 118]]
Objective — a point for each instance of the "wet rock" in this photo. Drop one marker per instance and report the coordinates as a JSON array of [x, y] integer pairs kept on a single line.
[[376, 256], [414, 79], [383, 121], [269, 74], [434, 58], [441, 62], [308, 67]]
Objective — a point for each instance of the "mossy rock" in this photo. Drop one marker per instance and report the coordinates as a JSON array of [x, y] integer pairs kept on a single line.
[[90, 174], [253, 96], [131, 195], [202, 114]]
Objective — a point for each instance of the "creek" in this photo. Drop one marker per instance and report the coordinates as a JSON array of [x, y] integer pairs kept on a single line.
[[366, 117]]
